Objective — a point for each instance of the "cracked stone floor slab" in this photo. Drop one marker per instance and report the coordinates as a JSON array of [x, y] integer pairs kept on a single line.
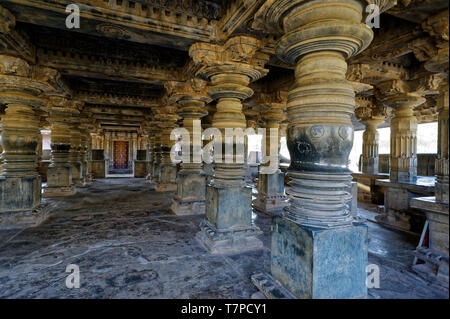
[[127, 244]]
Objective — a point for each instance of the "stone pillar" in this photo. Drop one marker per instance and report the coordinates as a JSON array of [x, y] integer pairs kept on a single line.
[[403, 97], [228, 227], [436, 256], [75, 148], [191, 99], [86, 145], [371, 116], [20, 183], [156, 164], [150, 153], [271, 198], [167, 169], [317, 251], [59, 176], [403, 153], [441, 166]]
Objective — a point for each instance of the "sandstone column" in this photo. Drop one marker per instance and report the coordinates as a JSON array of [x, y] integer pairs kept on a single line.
[[403, 97], [371, 116], [167, 169], [437, 27], [191, 99], [317, 252], [271, 198], [75, 149], [228, 226], [436, 256], [20, 183], [156, 164], [59, 176]]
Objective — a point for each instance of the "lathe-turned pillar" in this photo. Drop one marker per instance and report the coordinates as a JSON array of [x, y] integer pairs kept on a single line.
[[228, 227], [20, 183], [371, 116], [75, 148], [156, 164], [403, 98], [191, 98], [59, 176], [271, 198], [317, 250], [167, 169]]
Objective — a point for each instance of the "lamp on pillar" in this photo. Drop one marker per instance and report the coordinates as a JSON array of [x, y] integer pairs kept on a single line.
[[191, 98], [20, 183], [317, 250], [230, 68]]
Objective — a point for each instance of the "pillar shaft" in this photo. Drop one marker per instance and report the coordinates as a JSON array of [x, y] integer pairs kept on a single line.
[[371, 114], [167, 169], [441, 167], [403, 154], [59, 176], [271, 198], [20, 183], [315, 239], [191, 98], [230, 68]]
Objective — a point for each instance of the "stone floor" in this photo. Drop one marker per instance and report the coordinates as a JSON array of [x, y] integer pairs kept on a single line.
[[127, 245]]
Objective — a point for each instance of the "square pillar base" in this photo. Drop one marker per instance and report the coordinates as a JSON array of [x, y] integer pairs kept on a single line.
[[25, 218], [166, 187], [228, 226], [270, 199], [58, 191], [190, 198], [228, 241], [320, 263], [19, 198], [270, 205], [79, 182], [187, 208]]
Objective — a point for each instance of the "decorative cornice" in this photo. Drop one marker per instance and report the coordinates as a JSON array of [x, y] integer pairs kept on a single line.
[[11, 40], [113, 68], [116, 100]]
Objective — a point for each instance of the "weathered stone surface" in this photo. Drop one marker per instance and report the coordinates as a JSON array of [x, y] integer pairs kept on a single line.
[[128, 245], [397, 211], [320, 263], [270, 198], [99, 168], [141, 169], [20, 183]]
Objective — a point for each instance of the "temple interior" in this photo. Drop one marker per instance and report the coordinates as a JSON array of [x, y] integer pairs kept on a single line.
[[116, 159]]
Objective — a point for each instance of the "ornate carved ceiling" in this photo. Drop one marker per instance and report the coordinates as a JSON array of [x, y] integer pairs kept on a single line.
[[125, 51]]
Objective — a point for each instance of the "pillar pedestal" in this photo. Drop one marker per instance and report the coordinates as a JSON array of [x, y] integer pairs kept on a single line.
[[436, 256], [270, 199], [226, 229]]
